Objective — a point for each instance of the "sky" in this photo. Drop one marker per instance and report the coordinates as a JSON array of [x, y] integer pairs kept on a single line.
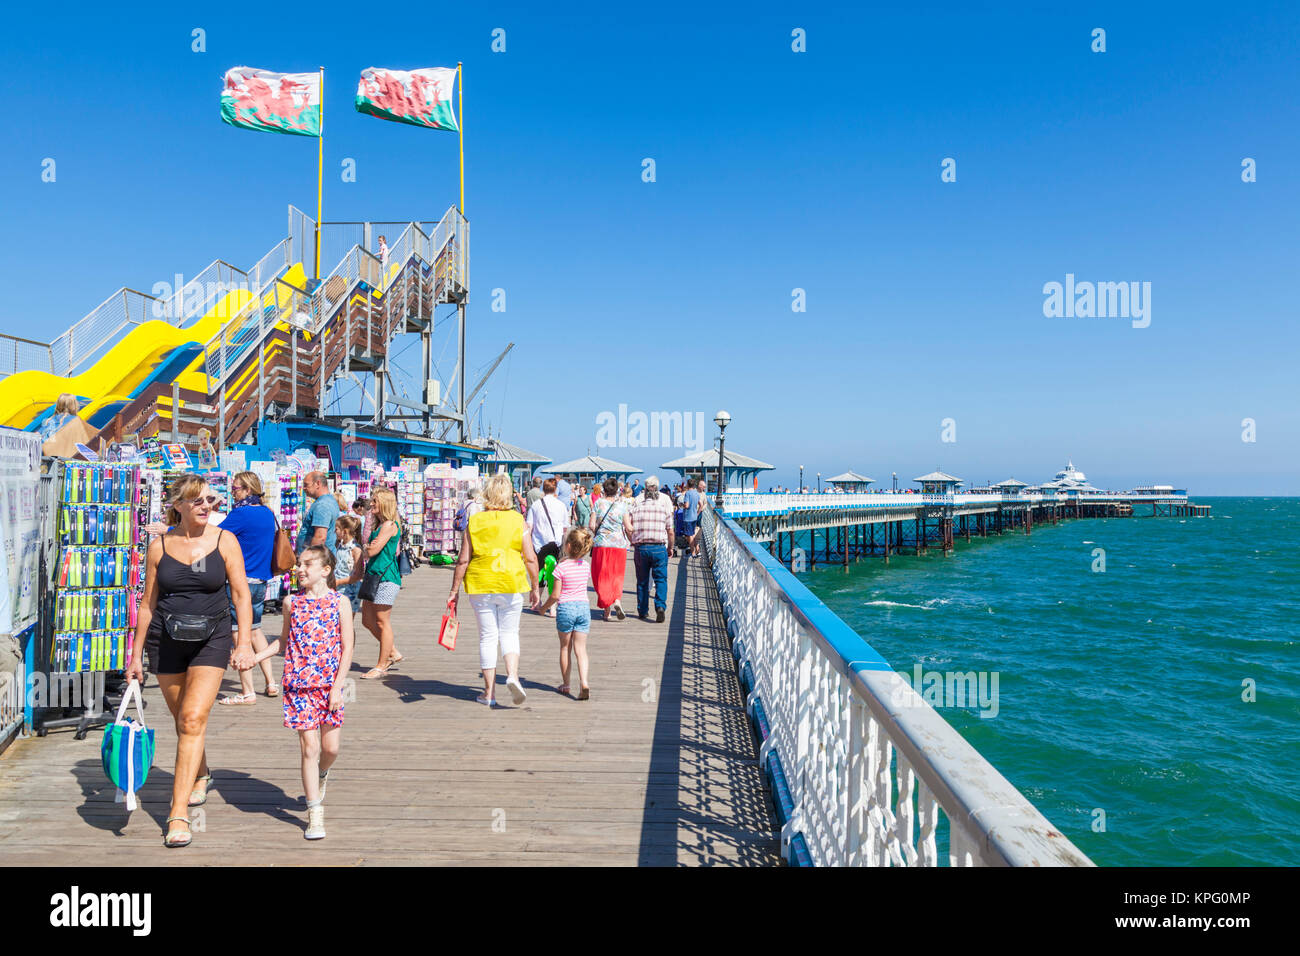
[[774, 171]]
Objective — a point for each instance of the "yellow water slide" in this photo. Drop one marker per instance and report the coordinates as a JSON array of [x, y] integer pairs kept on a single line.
[[149, 349]]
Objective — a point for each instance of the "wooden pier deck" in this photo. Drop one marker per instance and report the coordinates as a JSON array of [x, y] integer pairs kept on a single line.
[[658, 768]]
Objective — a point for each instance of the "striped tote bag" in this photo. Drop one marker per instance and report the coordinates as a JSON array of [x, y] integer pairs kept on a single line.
[[127, 750]]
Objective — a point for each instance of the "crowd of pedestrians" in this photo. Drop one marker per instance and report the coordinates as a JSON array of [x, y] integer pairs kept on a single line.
[[207, 575]]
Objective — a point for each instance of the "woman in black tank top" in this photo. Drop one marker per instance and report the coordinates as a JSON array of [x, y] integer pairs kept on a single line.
[[184, 624]]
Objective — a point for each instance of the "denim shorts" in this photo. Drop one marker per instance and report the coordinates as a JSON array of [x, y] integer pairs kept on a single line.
[[257, 592], [350, 592], [573, 616]]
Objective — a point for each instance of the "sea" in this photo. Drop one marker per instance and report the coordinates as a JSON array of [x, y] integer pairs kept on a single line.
[[1148, 672]]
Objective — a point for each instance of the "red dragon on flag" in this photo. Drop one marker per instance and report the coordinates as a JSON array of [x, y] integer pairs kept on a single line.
[[274, 102], [416, 97]]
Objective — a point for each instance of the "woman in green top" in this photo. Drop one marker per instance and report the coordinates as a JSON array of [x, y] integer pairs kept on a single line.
[[581, 507], [381, 560]]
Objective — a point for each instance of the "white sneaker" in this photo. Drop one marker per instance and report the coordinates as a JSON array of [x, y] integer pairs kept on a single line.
[[517, 690], [324, 782], [315, 823]]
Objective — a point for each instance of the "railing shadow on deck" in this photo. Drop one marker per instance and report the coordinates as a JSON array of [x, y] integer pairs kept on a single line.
[[704, 798]]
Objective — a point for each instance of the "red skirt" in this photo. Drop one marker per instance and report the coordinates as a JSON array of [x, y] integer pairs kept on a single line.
[[607, 568]]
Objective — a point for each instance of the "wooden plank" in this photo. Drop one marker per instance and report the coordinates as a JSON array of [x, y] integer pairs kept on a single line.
[[659, 767]]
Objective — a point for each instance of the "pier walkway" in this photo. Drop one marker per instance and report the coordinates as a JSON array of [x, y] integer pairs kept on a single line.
[[658, 768]]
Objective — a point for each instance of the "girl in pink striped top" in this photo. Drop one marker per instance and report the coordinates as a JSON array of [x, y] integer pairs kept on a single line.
[[573, 617]]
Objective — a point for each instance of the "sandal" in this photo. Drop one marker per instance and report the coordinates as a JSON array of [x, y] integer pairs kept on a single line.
[[584, 694], [236, 700], [189, 836], [394, 661], [562, 689], [272, 690], [374, 673], [199, 797]]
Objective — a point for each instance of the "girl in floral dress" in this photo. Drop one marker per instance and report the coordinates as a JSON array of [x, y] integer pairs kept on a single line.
[[317, 642]]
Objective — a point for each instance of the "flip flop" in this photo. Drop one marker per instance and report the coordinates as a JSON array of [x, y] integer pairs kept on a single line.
[[202, 795], [394, 661], [562, 689], [272, 690], [237, 700], [375, 673]]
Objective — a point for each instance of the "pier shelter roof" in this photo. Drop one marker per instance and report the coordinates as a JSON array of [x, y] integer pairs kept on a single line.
[[938, 482], [504, 453], [593, 469], [741, 470], [1011, 486], [519, 463], [851, 479]]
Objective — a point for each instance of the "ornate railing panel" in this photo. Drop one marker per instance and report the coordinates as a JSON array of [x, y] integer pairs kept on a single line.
[[867, 762]]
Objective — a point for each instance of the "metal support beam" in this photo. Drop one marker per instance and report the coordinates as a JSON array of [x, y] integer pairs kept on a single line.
[[460, 382]]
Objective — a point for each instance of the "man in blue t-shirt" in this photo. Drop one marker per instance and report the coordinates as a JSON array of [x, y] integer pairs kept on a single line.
[[691, 519], [318, 524]]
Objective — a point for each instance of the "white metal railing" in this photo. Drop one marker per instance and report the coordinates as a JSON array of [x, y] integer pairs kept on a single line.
[[746, 503], [869, 764]]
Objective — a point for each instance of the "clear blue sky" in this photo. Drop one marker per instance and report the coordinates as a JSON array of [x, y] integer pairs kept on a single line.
[[775, 170]]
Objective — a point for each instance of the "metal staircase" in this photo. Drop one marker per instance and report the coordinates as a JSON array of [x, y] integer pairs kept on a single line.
[[289, 344]]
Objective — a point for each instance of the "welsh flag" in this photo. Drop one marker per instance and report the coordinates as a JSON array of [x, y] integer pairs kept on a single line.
[[418, 97], [274, 102]]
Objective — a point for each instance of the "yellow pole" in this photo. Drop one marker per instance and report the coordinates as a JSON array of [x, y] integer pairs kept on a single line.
[[320, 167], [460, 90]]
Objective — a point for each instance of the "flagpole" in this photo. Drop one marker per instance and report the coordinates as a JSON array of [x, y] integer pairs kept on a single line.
[[460, 90], [320, 165]]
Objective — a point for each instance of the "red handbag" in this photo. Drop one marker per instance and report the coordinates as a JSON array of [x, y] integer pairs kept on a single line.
[[450, 627]]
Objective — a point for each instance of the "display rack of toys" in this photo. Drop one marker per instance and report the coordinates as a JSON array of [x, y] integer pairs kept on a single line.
[[410, 508], [100, 571], [284, 497]]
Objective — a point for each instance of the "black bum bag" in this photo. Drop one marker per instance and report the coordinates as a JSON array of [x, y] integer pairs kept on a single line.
[[192, 628]]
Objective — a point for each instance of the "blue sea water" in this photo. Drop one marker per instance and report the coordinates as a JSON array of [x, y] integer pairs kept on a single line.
[[1122, 691]]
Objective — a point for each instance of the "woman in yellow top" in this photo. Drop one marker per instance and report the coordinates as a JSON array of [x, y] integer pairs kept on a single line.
[[498, 566]]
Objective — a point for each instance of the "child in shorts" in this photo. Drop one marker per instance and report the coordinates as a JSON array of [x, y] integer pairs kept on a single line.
[[573, 617], [317, 644], [347, 558]]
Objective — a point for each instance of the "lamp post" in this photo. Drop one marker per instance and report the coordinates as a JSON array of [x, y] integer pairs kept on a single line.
[[895, 482], [801, 479], [722, 420], [819, 482]]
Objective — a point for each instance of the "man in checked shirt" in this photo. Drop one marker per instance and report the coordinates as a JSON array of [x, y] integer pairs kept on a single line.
[[649, 526]]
